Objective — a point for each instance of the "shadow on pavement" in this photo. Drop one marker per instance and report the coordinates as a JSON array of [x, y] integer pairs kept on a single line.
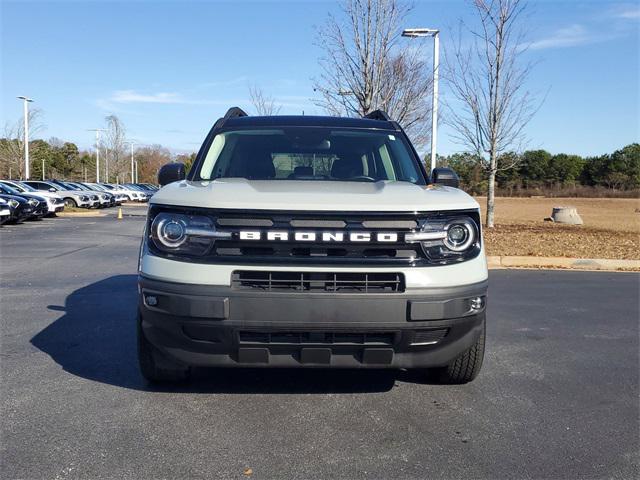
[[95, 339]]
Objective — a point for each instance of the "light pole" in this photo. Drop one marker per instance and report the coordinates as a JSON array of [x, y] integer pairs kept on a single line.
[[132, 167], [26, 101], [430, 32], [97, 130]]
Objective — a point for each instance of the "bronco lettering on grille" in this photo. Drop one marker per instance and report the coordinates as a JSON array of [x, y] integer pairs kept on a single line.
[[300, 236]]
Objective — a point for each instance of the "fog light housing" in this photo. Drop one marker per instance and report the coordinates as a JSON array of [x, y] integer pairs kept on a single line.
[[476, 303], [151, 300]]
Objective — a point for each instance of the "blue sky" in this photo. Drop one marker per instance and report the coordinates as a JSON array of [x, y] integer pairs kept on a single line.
[[169, 69]]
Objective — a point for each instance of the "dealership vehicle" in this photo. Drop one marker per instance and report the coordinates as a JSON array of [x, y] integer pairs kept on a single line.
[[130, 195], [5, 211], [39, 203], [94, 197], [118, 198], [72, 198], [300, 241], [104, 199], [55, 203], [145, 194], [19, 208]]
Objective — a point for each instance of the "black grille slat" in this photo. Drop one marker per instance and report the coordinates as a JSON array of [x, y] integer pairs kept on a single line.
[[316, 338], [430, 336], [318, 282]]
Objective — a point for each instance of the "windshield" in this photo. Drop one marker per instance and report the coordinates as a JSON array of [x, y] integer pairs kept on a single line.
[[8, 190], [16, 187], [310, 153]]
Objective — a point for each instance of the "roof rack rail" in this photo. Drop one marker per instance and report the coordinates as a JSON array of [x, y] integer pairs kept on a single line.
[[233, 112], [378, 115]]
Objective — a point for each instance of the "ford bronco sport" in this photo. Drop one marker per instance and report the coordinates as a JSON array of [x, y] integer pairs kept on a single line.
[[301, 241]]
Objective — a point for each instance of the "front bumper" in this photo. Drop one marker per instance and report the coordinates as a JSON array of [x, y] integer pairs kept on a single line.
[[204, 325]]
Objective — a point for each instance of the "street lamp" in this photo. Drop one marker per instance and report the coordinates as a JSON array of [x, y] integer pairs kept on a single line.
[[97, 130], [430, 32], [26, 101], [132, 168]]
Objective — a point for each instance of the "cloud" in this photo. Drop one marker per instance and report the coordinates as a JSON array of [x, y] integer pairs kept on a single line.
[[629, 13], [571, 36], [131, 96]]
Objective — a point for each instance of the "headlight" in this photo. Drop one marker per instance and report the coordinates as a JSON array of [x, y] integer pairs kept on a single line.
[[84, 198], [447, 240], [461, 234], [184, 234], [33, 202], [13, 203]]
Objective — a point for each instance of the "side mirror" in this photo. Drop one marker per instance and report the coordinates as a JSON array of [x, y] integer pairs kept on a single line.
[[171, 172], [52, 189], [445, 176]]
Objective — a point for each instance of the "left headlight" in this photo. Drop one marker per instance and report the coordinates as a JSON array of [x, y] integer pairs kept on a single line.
[[33, 202], [448, 240], [13, 203], [184, 234]]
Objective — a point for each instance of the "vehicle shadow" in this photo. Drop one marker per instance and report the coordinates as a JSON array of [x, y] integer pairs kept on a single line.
[[95, 339]]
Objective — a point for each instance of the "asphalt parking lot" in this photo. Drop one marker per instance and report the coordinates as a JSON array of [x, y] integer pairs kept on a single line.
[[557, 397]]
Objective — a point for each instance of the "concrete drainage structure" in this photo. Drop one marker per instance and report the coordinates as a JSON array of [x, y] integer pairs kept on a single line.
[[568, 215]]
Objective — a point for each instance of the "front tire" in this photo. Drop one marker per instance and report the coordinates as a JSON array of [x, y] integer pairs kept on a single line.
[[155, 366], [70, 203], [467, 366]]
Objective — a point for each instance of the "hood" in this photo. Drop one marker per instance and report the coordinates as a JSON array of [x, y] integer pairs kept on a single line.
[[301, 195]]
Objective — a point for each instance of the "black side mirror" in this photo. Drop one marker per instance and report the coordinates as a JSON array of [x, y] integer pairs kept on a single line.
[[171, 172], [445, 176]]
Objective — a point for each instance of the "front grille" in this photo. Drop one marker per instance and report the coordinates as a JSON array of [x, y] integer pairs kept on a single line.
[[318, 338], [236, 250], [318, 282]]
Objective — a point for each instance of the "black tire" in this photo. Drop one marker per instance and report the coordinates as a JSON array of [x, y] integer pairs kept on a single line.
[[70, 203], [467, 366], [157, 367]]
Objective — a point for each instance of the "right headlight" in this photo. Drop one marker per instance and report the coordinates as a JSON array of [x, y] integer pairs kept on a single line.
[[84, 198], [448, 240], [183, 234], [13, 203]]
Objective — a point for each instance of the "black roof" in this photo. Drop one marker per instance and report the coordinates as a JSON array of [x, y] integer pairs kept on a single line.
[[309, 121]]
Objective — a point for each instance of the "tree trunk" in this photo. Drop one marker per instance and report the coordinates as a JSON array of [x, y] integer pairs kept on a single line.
[[491, 198]]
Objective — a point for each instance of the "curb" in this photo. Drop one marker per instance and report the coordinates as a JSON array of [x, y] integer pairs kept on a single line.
[[562, 263], [81, 214]]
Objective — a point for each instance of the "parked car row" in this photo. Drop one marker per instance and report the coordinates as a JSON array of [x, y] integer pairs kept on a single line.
[[34, 199]]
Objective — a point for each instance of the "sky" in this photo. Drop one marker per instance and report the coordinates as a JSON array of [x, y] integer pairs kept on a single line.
[[168, 70]]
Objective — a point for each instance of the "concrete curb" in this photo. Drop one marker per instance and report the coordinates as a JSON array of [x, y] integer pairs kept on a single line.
[[81, 214], [562, 263]]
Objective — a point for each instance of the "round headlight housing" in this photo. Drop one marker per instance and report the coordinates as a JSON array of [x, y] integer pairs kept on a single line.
[[171, 232], [461, 234]]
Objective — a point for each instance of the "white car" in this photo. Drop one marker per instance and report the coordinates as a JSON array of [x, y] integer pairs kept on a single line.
[[55, 203], [301, 241], [129, 194], [5, 212]]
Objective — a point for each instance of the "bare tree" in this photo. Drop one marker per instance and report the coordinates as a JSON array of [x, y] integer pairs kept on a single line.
[[116, 163], [12, 143], [365, 68], [264, 104], [487, 79]]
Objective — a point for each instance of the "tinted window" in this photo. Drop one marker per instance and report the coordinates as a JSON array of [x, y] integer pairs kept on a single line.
[[311, 153]]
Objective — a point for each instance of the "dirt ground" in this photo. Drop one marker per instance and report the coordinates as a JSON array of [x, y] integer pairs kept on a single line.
[[611, 228]]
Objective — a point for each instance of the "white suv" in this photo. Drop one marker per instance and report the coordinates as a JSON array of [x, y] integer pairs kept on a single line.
[[299, 241]]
